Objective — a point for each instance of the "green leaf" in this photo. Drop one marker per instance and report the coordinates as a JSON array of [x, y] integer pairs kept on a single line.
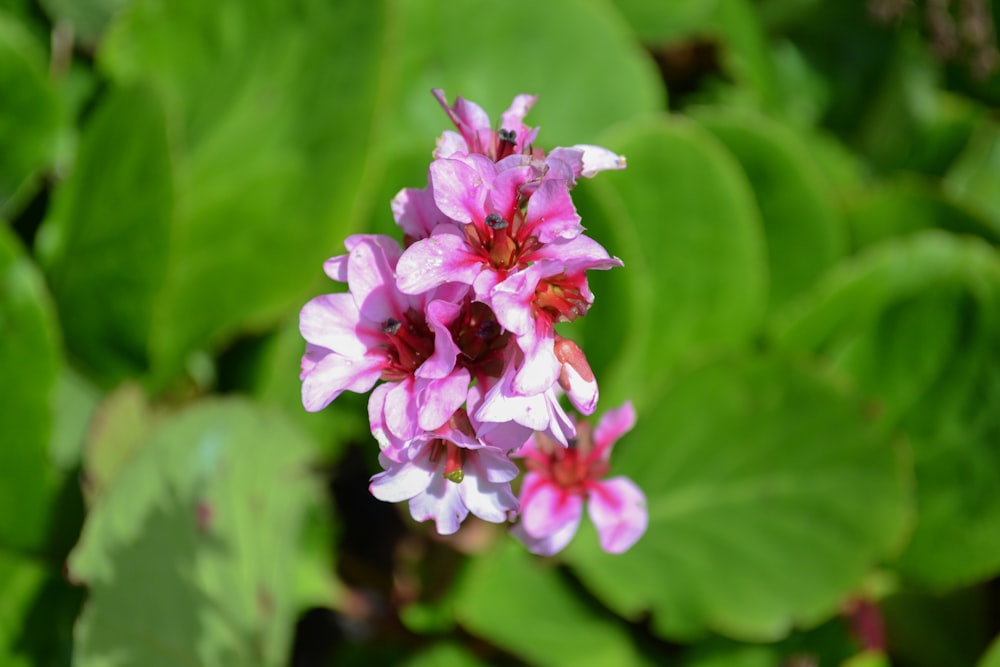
[[274, 113], [87, 18], [914, 323], [29, 113], [992, 657], [904, 206], [557, 627], [190, 556], [444, 655], [805, 234], [108, 238], [683, 220], [973, 179], [29, 354], [770, 495]]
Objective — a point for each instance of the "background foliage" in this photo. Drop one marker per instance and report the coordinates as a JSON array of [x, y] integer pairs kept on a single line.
[[808, 322]]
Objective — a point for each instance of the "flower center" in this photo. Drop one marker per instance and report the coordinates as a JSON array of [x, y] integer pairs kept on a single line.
[[561, 298], [408, 344], [454, 458], [480, 340]]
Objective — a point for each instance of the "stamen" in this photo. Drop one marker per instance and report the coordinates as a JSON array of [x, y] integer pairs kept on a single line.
[[391, 326], [508, 136], [494, 221], [488, 329]]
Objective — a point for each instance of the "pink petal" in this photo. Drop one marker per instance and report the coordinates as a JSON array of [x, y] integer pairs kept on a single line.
[[442, 502], [551, 214], [549, 545], [332, 374], [597, 159], [612, 426], [440, 316], [513, 117], [442, 258], [336, 268], [373, 283], [618, 509], [400, 481], [546, 507], [449, 144], [401, 409], [459, 190], [333, 321], [437, 400], [416, 213]]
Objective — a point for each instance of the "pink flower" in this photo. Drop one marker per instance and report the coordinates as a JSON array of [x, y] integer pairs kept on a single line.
[[376, 332], [447, 474], [560, 479]]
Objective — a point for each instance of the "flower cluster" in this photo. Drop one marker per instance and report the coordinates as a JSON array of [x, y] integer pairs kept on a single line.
[[459, 326]]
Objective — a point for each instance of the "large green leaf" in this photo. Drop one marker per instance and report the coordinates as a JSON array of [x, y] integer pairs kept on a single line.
[[805, 234], [109, 236], [29, 111], [524, 605], [29, 356], [975, 177], [190, 555], [770, 495], [683, 220], [274, 112], [915, 323]]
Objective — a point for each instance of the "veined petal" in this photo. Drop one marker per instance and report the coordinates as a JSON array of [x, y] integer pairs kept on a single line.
[[551, 214], [618, 509], [324, 379], [442, 502], [513, 117], [400, 481], [333, 321], [336, 268], [612, 426], [372, 281], [440, 315], [438, 399], [401, 409], [442, 258], [416, 213], [493, 465], [449, 144], [546, 508], [459, 190]]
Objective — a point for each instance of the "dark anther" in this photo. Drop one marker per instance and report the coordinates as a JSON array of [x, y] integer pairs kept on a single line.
[[494, 221], [391, 326], [488, 329], [509, 136]]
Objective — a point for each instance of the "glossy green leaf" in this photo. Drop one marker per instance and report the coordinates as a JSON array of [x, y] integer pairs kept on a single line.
[[526, 606], [770, 493], [29, 112], [29, 354], [108, 239], [197, 538], [683, 220], [274, 113], [805, 235], [914, 323]]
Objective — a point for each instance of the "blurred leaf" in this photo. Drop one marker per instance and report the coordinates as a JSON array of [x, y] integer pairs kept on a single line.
[[444, 655], [29, 113], [683, 220], [275, 113], [655, 23], [29, 354], [931, 630], [805, 235], [525, 606], [37, 609], [594, 73], [75, 402], [190, 555], [992, 657], [87, 18], [770, 495], [108, 237], [904, 206], [121, 423], [915, 323], [975, 177]]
